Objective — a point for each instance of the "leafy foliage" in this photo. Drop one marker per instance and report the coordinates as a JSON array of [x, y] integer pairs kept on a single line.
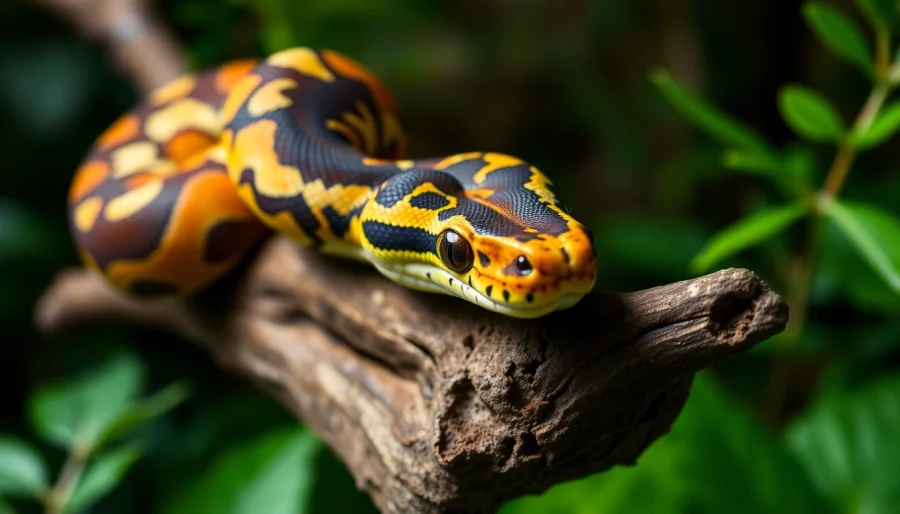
[[81, 413], [82, 416], [22, 470], [797, 183], [755, 228], [106, 472], [272, 473], [839, 34], [881, 14], [882, 128], [810, 115], [715, 122], [741, 460], [848, 443], [875, 234]]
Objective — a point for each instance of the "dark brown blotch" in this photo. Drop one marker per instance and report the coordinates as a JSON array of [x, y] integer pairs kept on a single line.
[[147, 288], [231, 239]]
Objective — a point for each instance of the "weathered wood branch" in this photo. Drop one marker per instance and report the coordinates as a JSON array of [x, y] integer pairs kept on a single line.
[[436, 405]]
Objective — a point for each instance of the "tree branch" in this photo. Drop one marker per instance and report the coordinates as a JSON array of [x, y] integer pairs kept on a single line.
[[434, 404]]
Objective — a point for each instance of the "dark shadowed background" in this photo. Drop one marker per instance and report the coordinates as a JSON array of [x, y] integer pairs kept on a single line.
[[806, 422]]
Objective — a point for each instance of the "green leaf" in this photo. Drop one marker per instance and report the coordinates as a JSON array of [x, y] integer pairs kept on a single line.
[[842, 275], [790, 175], [335, 490], [885, 125], [879, 13], [80, 411], [749, 161], [708, 118], [849, 445], [839, 34], [717, 458], [22, 470], [102, 476], [800, 165], [754, 229], [876, 235], [145, 410], [809, 114], [273, 473]]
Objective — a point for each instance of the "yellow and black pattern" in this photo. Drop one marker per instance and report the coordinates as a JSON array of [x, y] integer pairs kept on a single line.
[[152, 206], [308, 143]]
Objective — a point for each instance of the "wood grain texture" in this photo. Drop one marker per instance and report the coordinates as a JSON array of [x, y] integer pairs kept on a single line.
[[434, 404]]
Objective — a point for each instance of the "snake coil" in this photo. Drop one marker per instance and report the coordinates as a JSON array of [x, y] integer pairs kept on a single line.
[[307, 143]]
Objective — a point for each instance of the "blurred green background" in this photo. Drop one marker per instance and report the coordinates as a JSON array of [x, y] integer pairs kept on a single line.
[[808, 421]]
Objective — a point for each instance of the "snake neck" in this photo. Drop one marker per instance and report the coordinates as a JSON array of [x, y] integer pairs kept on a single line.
[[313, 144], [303, 134]]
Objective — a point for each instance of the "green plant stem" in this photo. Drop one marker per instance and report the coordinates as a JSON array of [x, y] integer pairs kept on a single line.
[[801, 286], [837, 175], [71, 473], [882, 49], [846, 151], [800, 289]]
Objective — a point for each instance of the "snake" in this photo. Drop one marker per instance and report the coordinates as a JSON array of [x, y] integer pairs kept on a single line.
[[307, 143]]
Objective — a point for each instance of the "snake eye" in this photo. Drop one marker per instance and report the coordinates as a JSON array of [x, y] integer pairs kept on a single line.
[[523, 266], [455, 252]]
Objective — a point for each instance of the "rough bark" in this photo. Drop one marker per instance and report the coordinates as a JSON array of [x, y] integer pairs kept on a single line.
[[436, 405]]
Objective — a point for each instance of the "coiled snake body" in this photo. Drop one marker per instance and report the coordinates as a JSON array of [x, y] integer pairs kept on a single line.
[[307, 143]]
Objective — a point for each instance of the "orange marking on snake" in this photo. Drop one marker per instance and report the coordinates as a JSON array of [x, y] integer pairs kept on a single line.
[[230, 74], [187, 144], [195, 160], [139, 180], [180, 179], [87, 178], [480, 193], [352, 70], [124, 129], [179, 258]]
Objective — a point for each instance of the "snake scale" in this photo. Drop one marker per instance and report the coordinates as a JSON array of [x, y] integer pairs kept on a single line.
[[308, 143]]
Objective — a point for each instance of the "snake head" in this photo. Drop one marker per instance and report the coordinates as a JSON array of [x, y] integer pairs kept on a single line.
[[509, 250]]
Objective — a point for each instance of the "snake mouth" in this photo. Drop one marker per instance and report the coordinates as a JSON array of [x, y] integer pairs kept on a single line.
[[424, 277]]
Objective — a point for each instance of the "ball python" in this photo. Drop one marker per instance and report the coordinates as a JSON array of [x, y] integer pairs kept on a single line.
[[307, 143]]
